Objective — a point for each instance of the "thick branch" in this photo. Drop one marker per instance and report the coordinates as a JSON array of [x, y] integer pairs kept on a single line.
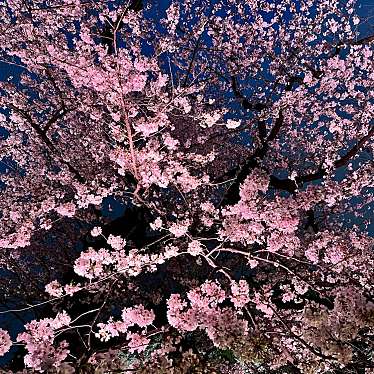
[[107, 34], [277, 126], [192, 60], [232, 194], [291, 185], [43, 136], [55, 117], [243, 100], [350, 154], [367, 40]]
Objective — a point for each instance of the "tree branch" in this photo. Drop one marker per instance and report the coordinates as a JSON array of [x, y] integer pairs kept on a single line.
[[291, 185], [43, 136]]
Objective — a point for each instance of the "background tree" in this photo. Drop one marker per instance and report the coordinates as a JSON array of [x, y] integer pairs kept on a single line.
[[237, 139]]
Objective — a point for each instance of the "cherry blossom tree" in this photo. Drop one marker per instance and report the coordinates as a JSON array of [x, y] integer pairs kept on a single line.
[[238, 139]]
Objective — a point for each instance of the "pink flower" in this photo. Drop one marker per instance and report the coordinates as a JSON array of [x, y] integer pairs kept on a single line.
[[116, 242], [170, 142], [240, 293], [210, 119], [262, 306], [214, 292], [138, 343], [182, 320], [312, 255], [138, 315], [333, 25], [147, 128], [252, 263], [157, 224], [39, 339], [71, 289], [194, 248], [96, 231], [107, 331], [221, 324], [179, 229], [5, 342], [90, 264], [232, 124], [54, 289], [61, 319], [67, 210]]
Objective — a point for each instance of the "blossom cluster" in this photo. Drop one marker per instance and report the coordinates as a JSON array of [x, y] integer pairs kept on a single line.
[[39, 339], [222, 324]]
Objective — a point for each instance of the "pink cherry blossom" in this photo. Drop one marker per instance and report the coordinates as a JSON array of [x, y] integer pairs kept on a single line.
[[116, 242], [240, 293], [54, 289], [138, 315], [96, 231], [5, 342], [138, 343]]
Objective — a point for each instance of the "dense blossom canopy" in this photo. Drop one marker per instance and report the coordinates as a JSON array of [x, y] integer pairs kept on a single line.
[[235, 138]]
